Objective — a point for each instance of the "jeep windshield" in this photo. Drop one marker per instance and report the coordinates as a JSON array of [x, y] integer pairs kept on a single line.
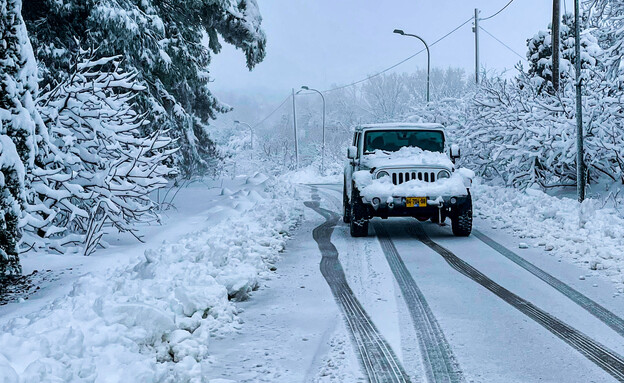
[[394, 140]]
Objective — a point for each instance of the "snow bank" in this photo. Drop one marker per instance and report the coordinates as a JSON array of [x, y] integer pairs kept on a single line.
[[152, 321], [589, 235], [312, 175]]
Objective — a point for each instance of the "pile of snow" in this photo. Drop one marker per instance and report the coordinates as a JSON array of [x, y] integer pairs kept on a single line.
[[406, 156], [383, 188], [589, 234], [152, 321]]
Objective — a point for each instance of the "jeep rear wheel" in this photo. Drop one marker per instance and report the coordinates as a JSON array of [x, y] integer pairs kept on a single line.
[[358, 222], [462, 219], [346, 206]]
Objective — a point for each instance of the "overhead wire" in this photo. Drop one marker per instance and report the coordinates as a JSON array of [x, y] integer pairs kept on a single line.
[[400, 62], [371, 76], [405, 60], [497, 13], [272, 113], [503, 44]]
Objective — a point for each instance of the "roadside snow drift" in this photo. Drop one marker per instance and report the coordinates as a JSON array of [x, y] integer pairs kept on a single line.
[[587, 234], [152, 321]]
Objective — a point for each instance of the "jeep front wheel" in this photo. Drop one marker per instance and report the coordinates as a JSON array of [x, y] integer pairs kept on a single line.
[[462, 219], [358, 223], [346, 206]]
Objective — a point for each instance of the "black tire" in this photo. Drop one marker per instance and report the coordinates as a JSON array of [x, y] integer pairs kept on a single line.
[[346, 206], [358, 223], [462, 219]]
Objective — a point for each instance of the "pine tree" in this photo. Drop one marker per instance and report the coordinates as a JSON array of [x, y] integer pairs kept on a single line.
[[540, 53], [169, 44], [21, 131]]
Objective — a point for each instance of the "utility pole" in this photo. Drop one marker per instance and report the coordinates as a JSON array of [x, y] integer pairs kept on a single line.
[[295, 127], [476, 32], [580, 166], [556, 17]]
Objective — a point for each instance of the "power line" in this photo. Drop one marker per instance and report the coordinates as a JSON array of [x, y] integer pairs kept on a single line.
[[502, 43], [272, 113], [400, 62], [496, 14], [374, 75]]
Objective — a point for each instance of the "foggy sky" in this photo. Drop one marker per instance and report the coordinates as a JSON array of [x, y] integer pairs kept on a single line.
[[324, 42]]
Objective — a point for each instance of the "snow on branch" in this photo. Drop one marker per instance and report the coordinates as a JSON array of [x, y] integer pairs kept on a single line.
[[110, 166]]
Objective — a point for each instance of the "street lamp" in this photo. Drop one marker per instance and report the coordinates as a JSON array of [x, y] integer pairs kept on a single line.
[[250, 132], [323, 147], [400, 32]]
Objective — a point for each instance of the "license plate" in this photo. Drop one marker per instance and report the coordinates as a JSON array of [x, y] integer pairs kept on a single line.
[[416, 202]]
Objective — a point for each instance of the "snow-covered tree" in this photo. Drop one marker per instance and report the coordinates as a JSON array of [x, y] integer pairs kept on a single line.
[[607, 16], [11, 196], [109, 166], [22, 134], [169, 45], [540, 53]]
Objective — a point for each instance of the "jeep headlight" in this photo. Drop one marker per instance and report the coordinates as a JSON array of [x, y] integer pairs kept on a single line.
[[443, 174], [382, 174]]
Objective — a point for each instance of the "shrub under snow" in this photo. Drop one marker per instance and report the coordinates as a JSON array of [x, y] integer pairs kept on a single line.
[[106, 167]]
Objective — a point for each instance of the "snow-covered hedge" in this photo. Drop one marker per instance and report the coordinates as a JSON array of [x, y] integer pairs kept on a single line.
[[151, 321]]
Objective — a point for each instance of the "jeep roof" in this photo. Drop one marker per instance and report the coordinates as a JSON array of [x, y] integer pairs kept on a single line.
[[401, 125]]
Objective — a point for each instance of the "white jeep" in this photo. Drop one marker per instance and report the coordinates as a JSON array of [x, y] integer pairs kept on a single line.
[[401, 169]]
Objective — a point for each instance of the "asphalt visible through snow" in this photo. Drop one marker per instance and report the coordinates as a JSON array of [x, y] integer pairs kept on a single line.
[[605, 358], [375, 354], [600, 312], [438, 362], [413, 303]]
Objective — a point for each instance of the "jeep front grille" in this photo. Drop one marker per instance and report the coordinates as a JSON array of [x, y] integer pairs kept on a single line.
[[401, 176]]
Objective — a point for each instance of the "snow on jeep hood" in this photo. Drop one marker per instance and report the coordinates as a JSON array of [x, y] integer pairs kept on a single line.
[[406, 156], [455, 186]]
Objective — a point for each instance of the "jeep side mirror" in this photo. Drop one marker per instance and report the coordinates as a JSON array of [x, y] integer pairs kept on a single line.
[[352, 152], [455, 152]]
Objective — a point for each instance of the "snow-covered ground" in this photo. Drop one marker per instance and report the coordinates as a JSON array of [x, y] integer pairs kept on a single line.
[[591, 236], [146, 313]]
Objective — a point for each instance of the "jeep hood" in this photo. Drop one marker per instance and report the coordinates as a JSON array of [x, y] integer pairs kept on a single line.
[[406, 157]]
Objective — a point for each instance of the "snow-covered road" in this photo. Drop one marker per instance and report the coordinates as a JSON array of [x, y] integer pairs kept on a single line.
[[413, 303]]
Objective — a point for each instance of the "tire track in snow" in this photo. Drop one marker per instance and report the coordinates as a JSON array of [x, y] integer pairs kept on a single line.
[[438, 359], [600, 312], [375, 354], [603, 357]]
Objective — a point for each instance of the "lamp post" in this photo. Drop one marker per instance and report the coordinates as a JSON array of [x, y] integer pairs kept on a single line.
[[323, 146], [250, 132], [400, 32]]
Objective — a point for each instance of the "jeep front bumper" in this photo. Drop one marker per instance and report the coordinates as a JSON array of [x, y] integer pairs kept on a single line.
[[397, 206]]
